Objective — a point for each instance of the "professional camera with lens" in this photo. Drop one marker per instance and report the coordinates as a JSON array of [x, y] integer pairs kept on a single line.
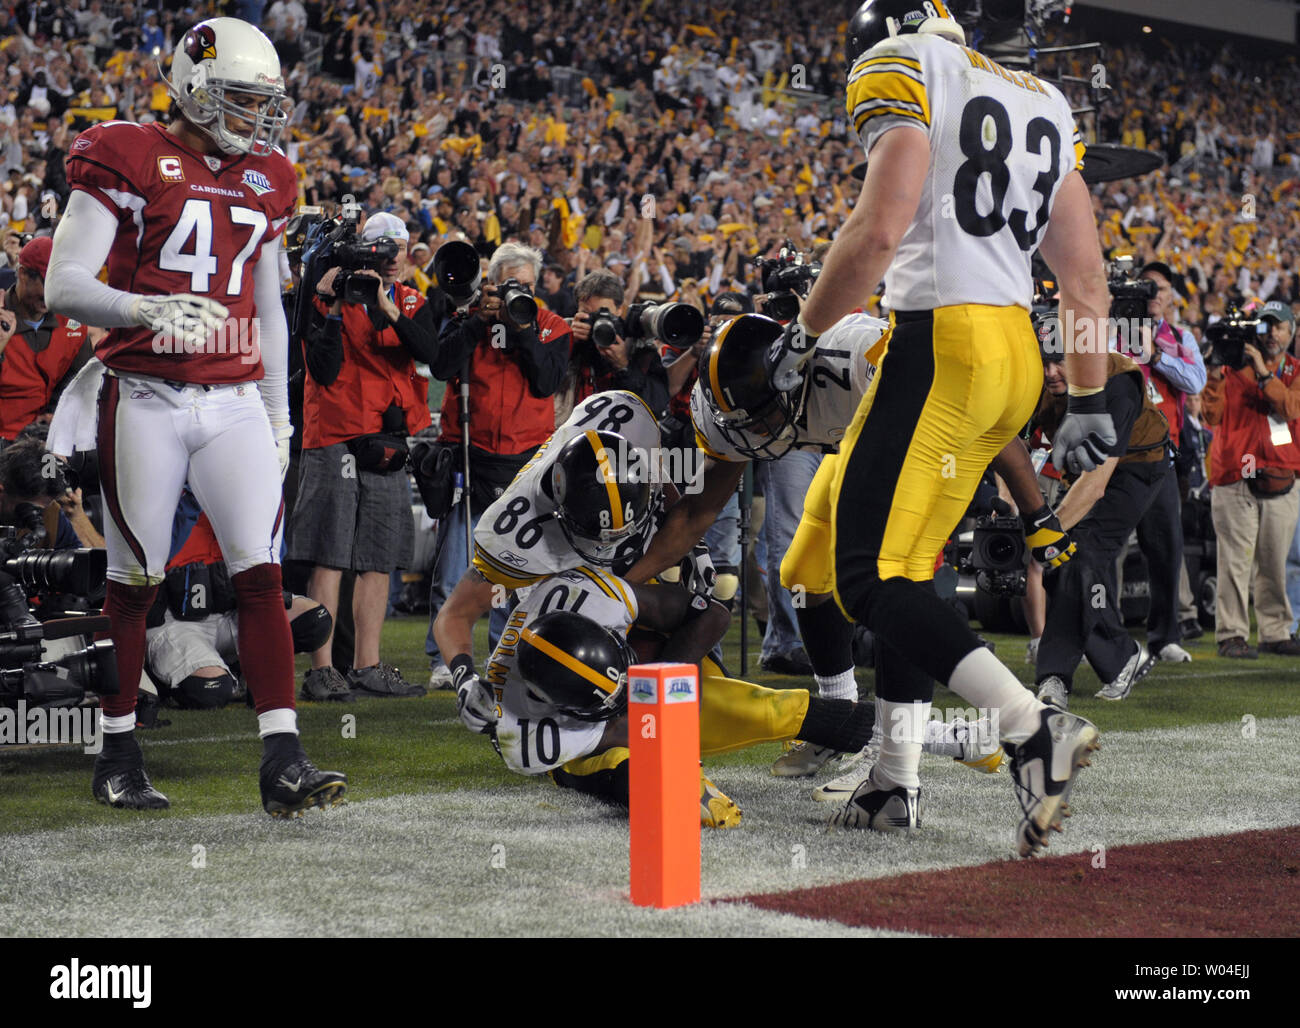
[[518, 307], [27, 671], [458, 272], [1228, 338], [1129, 295], [998, 556], [786, 279], [333, 243], [605, 328], [677, 324]]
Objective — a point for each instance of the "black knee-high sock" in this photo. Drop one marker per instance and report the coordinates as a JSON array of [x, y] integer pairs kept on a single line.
[[840, 724], [828, 638]]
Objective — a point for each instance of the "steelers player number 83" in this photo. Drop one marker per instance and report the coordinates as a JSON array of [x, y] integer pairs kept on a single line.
[[985, 138]]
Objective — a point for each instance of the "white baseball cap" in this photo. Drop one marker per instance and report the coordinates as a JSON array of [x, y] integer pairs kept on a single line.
[[384, 226]]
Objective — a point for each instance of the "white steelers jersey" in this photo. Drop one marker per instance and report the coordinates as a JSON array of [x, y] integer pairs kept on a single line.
[[518, 539], [1001, 143], [532, 736], [836, 378]]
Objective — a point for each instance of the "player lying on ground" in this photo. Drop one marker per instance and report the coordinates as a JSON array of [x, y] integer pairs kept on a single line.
[[553, 694], [188, 218], [740, 416]]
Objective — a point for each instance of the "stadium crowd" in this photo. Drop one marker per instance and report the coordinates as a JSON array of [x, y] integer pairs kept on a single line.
[[671, 145]]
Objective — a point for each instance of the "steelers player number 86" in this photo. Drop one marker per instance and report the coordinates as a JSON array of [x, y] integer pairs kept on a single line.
[[986, 140]]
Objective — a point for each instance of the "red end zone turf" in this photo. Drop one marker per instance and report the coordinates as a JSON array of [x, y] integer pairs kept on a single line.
[[1228, 885]]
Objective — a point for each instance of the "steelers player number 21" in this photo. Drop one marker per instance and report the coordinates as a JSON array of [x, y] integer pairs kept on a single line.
[[201, 264], [986, 140]]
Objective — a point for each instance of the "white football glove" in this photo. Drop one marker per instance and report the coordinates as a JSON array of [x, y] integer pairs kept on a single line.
[[185, 320], [282, 433], [789, 354], [474, 700]]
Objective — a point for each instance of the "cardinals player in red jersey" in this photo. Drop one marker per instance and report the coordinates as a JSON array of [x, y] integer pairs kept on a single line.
[[188, 219]]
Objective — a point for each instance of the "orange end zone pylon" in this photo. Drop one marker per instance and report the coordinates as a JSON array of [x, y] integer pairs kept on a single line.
[[663, 736]]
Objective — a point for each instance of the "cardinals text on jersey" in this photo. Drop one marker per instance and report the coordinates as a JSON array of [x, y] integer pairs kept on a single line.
[[532, 736], [518, 540], [187, 223], [836, 378], [1001, 143]]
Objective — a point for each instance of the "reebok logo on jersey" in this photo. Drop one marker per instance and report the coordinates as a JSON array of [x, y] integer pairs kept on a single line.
[[82, 143], [142, 394], [257, 182], [513, 558]]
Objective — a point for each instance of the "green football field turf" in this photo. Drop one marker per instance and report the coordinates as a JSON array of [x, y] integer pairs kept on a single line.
[[208, 759]]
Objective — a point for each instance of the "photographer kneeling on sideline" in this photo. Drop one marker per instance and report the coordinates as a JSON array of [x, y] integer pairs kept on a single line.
[[362, 399]]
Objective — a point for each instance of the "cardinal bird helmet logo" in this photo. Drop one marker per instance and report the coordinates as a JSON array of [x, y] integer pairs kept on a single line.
[[200, 43]]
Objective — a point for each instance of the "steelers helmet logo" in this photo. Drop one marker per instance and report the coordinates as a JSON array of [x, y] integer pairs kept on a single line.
[[200, 43]]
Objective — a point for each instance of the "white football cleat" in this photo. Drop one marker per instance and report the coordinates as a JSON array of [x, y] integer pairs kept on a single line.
[[858, 767], [1043, 769], [803, 760]]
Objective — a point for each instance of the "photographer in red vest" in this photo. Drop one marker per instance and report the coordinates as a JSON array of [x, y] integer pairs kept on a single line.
[[361, 400], [38, 350], [1254, 459]]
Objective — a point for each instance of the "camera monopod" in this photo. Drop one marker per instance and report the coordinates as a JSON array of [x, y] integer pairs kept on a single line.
[[746, 501]]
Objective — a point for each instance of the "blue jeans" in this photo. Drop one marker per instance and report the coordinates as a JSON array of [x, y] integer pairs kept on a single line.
[[1293, 578], [785, 484], [453, 559], [723, 536]]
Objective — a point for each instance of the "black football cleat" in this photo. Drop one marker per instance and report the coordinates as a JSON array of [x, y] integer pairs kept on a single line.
[[129, 790], [289, 789]]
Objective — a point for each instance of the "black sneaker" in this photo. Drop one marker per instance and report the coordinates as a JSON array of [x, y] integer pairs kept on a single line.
[[289, 789], [1191, 629], [325, 683], [795, 662], [383, 681], [128, 790]]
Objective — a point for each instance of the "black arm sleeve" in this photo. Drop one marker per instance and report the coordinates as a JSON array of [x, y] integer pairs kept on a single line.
[[417, 334], [323, 347], [646, 376], [543, 363], [1124, 401], [460, 335]]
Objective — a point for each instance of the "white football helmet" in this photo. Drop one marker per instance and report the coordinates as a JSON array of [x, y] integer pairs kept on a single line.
[[219, 57]]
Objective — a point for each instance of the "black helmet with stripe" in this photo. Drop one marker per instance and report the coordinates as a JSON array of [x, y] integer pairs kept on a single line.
[[603, 494], [576, 665], [752, 414], [877, 20]]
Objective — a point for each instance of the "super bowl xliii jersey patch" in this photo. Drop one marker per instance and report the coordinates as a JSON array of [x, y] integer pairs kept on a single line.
[[1001, 144], [518, 539], [532, 736], [837, 377]]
